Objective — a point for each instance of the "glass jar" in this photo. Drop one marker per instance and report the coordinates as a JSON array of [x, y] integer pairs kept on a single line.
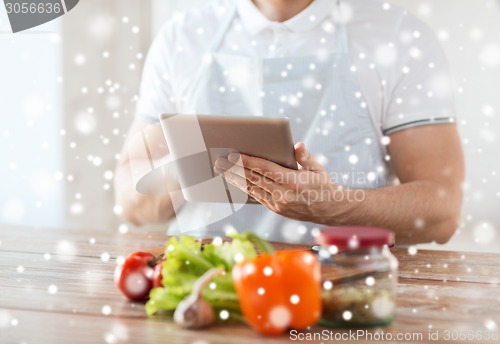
[[360, 275]]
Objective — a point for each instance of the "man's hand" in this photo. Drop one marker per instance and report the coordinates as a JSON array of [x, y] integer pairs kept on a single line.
[[297, 194]]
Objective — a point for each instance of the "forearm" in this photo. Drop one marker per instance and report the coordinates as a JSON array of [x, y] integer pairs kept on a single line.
[[137, 208], [419, 211]]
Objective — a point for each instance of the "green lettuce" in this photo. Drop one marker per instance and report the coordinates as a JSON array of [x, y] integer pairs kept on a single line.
[[186, 261]]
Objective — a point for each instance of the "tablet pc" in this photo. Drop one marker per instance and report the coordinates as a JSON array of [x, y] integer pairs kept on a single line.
[[195, 142]]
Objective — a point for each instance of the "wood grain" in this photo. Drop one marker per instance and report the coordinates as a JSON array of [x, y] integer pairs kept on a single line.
[[436, 291]]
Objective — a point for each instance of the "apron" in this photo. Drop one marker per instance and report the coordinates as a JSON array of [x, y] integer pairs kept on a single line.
[[321, 97]]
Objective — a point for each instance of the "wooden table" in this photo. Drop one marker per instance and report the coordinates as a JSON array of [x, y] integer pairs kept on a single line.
[[56, 286]]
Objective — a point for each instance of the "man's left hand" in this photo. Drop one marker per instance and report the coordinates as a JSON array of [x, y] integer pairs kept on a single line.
[[297, 194]]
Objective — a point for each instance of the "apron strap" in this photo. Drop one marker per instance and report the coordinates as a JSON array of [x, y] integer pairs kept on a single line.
[[224, 27], [342, 38]]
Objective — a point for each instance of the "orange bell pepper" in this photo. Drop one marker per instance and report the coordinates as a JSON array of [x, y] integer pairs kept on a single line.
[[279, 290]]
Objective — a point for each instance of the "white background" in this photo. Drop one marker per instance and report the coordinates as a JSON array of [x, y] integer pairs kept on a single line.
[[30, 121]]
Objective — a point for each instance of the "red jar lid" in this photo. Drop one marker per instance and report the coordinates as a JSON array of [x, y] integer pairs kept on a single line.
[[355, 237]]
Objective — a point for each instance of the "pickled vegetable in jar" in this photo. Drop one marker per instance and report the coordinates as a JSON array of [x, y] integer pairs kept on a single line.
[[359, 276]]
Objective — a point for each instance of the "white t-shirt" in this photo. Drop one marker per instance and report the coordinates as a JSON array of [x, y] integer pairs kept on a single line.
[[401, 67]]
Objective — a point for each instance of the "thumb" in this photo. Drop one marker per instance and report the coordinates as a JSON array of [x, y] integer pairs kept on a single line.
[[306, 159]]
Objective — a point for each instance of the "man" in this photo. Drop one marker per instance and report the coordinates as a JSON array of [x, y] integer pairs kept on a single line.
[[367, 90]]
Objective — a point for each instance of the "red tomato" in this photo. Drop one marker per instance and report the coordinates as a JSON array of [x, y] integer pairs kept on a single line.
[[135, 277], [157, 276]]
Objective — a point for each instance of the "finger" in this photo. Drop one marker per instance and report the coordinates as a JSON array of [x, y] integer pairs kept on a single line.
[[263, 167], [252, 177], [274, 192], [259, 194], [306, 159]]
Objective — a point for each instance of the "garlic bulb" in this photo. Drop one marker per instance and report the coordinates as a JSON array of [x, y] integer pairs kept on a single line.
[[194, 312]]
